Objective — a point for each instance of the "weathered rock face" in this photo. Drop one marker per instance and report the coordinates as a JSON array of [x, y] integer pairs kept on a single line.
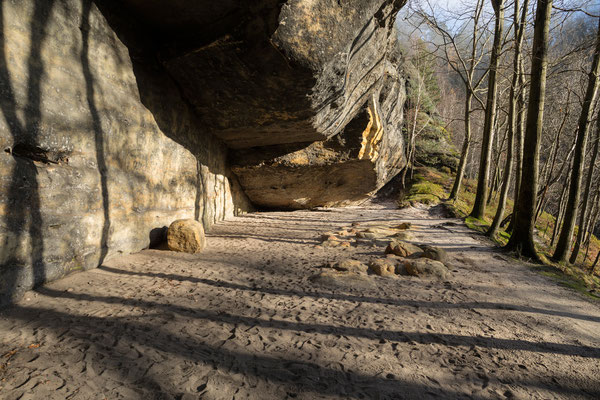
[[118, 118], [343, 170], [293, 72], [98, 147], [269, 72]]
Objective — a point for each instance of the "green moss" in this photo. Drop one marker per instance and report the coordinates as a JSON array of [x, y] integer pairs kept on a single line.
[[566, 277], [433, 186], [423, 190]]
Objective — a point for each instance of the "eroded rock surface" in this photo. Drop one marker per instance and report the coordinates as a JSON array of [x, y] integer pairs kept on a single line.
[[121, 117], [99, 151], [272, 77]]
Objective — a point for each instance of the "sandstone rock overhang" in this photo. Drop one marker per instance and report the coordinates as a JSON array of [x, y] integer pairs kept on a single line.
[[309, 93], [270, 72], [120, 117], [344, 170]]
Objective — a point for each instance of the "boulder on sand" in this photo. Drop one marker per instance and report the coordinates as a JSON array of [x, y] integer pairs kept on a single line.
[[434, 253], [383, 267], [186, 236], [426, 267], [402, 249], [351, 266]]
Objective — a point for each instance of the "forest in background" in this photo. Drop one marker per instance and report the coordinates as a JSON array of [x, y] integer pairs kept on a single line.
[[514, 86]]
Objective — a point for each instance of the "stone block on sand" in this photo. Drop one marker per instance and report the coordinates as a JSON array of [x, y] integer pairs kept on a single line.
[[426, 267], [402, 249], [186, 236], [434, 253], [383, 267], [351, 266]]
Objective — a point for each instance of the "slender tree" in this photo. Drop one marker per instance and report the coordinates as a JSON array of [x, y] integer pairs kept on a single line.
[[514, 118], [586, 196], [465, 64], [490, 114], [566, 234], [522, 235]]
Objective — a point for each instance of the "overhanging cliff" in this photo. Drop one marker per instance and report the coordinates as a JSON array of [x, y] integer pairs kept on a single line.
[[120, 118]]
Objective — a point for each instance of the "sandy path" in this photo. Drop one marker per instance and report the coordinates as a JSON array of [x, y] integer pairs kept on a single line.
[[242, 320]]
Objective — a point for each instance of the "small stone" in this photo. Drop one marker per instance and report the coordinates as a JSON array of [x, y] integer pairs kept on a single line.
[[355, 224], [372, 235], [380, 231], [426, 267], [351, 266], [345, 244], [434, 253], [402, 249], [403, 226], [332, 243], [403, 236], [328, 236], [187, 236], [383, 267]]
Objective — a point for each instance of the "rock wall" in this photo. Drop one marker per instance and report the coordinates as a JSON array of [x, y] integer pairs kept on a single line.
[[120, 117], [99, 150]]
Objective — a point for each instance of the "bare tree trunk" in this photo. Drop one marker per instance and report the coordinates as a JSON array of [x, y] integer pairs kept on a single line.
[[561, 211], [520, 125], [497, 174], [513, 117], [550, 180], [595, 264], [465, 153], [586, 197], [521, 239], [490, 115], [593, 219], [566, 234], [465, 149], [505, 185]]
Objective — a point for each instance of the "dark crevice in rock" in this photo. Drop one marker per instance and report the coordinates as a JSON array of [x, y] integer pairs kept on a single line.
[[38, 154]]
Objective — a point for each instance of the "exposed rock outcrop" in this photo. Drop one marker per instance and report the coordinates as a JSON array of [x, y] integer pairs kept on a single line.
[[269, 72], [119, 118], [99, 150], [272, 77], [345, 169]]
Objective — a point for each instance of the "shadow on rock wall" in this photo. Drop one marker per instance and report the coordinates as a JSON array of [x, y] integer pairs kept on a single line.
[[22, 214], [33, 252]]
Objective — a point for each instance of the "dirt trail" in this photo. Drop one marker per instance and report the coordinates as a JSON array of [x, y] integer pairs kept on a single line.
[[242, 320]]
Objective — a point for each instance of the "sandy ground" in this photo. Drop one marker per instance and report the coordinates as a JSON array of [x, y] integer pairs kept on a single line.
[[243, 320]]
